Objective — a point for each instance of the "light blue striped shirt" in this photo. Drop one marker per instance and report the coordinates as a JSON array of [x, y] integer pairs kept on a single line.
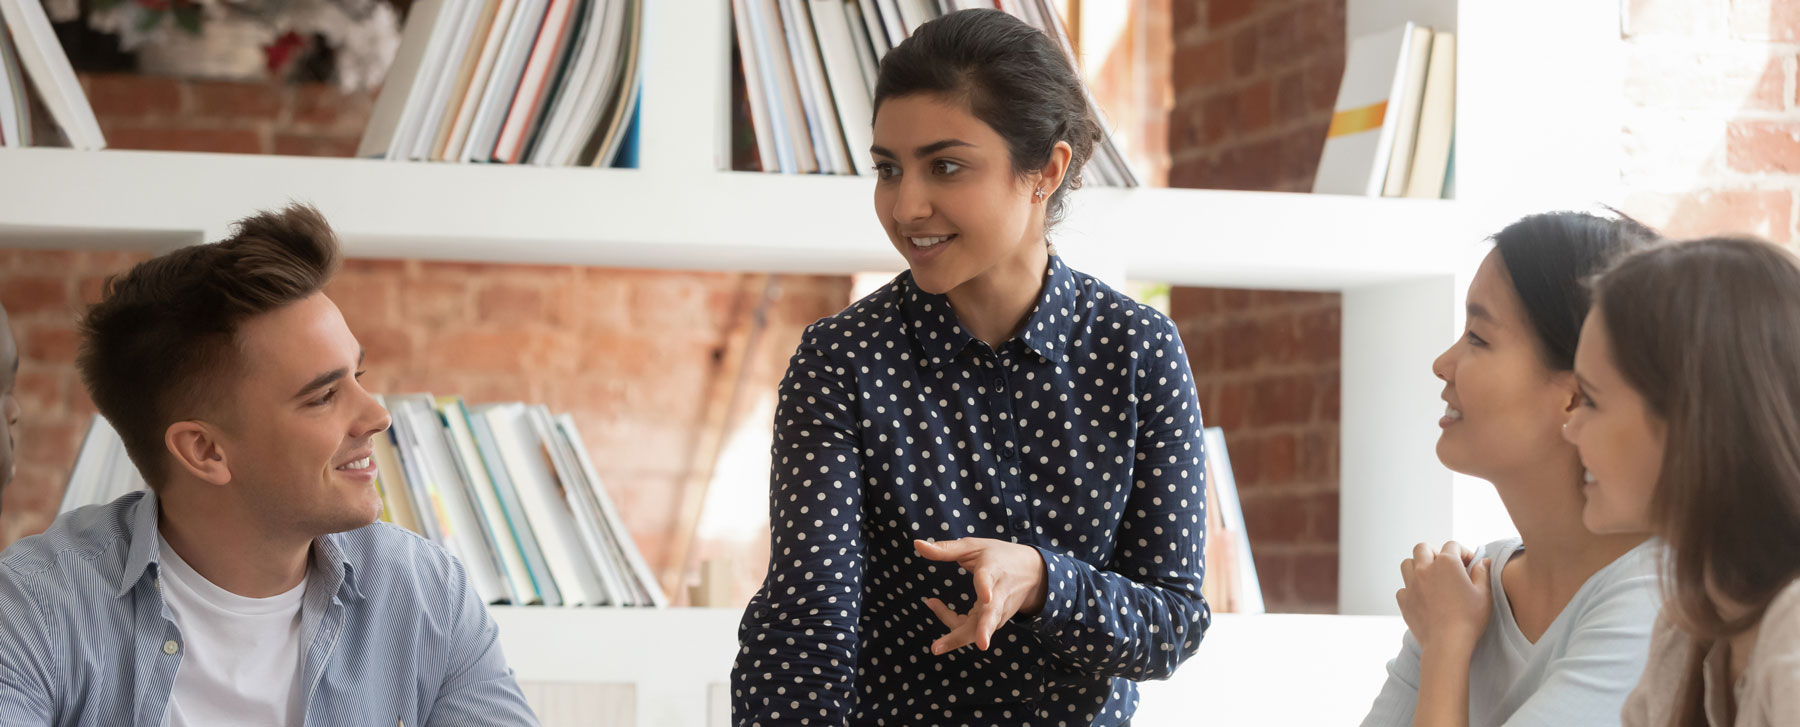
[[391, 631]]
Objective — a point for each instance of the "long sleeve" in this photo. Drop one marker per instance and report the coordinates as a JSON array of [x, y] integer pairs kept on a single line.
[[27, 674], [798, 639], [479, 688], [1399, 697], [1143, 614]]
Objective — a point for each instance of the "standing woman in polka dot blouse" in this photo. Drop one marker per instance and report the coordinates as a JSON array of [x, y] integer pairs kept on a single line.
[[987, 493]]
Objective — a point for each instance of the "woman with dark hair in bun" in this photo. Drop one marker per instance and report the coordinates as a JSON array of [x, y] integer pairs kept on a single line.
[[987, 492]]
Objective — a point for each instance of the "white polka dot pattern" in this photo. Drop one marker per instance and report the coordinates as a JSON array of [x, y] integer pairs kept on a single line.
[[1081, 436]]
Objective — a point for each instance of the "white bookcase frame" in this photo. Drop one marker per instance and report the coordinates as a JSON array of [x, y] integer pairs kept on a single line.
[[1537, 129]]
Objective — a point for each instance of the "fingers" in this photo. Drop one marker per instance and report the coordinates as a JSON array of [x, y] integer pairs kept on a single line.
[[1407, 568], [1422, 553], [1468, 556], [944, 613], [957, 638], [1480, 575], [985, 625], [1455, 550], [946, 550]]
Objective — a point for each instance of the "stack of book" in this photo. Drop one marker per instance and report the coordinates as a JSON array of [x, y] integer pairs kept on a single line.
[[806, 72], [507, 488], [543, 82], [1393, 128], [35, 76]]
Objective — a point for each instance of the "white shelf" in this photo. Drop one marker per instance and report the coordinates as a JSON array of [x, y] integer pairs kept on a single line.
[[1243, 673], [705, 220]]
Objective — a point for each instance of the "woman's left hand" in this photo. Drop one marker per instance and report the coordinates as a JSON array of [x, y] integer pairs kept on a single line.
[[1445, 602], [1009, 579]]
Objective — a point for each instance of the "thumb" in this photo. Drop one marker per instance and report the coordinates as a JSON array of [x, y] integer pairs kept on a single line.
[[948, 550], [1480, 575]]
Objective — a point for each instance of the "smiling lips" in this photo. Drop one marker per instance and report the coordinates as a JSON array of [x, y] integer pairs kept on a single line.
[[929, 242]]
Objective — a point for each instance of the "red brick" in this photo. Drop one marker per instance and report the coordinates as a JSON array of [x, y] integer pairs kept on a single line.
[[1185, 15], [46, 444], [234, 101], [314, 145], [396, 268], [1279, 43], [1674, 18], [159, 138], [1316, 580], [35, 294], [1318, 457], [1257, 106], [1763, 146], [1322, 28], [132, 96], [1322, 77], [1280, 456], [366, 301], [1665, 79], [387, 347], [1219, 118], [1201, 66], [435, 300], [1282, 400], [322, 105], [39, 393], [1233, 408], [50, 344], [1770, 20], [1245, 46], [1322, 518], [1766, 213], [1276, 518], [1220, 13], [1321, 335], [510, 303], [1290, 97], [1329, 384], [512, 350]]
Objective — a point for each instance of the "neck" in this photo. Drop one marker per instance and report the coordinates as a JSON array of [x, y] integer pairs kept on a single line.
[[994, 305], [226, 546], [1545, 504]]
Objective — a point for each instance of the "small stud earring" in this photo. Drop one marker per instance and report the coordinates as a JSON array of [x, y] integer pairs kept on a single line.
[[1039, 194]]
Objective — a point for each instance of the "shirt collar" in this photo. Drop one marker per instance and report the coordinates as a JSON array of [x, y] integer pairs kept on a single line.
[[329, 558], [940, 337]]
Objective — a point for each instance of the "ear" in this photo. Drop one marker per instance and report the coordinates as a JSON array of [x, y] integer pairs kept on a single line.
[[1050, 178], [197, 450], [1568, 392]]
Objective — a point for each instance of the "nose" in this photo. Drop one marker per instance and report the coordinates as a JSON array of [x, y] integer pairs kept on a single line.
[[374, 419], [911, 202], [1444, 364]]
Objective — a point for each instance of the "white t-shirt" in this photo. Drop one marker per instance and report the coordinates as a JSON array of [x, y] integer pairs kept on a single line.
[[1577, 673], [242, 660]]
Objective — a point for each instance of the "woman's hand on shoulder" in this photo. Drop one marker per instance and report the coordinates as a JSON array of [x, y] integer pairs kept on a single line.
[[1445, 602]]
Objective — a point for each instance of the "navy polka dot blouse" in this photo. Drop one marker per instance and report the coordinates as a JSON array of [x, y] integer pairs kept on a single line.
[[1081, 436]]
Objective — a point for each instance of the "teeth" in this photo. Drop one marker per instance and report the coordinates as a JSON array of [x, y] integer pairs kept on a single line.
[[1452, 412], [927, 241], [361, 464]]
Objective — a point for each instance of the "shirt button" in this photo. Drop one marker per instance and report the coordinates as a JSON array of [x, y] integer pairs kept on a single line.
[[1007, 453], [1021, 524], [999, 383], [170, 647]]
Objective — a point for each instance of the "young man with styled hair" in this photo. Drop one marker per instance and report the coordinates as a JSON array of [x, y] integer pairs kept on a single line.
[[251, 584]]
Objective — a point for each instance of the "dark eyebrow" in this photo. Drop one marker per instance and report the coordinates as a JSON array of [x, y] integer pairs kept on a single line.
[[1477, 310], [923, 151], [328, 378]]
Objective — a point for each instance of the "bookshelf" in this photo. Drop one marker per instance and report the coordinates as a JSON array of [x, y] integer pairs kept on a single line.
[[1537, 129]]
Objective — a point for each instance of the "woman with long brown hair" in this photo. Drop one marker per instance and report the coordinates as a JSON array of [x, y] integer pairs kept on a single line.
[[1689, 367]]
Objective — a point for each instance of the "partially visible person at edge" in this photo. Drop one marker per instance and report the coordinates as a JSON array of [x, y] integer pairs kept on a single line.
[[251, 583], [1690, 423]]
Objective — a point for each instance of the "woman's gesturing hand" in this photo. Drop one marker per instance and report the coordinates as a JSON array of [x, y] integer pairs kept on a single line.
[[1009, 579]]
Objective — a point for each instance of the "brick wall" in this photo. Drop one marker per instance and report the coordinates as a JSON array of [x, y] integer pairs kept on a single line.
[[1254, 82], [630, 353], [1712, 122]]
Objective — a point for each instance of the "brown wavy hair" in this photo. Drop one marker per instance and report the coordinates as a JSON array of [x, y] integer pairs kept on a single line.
[[161, 342], [1708, 331]]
